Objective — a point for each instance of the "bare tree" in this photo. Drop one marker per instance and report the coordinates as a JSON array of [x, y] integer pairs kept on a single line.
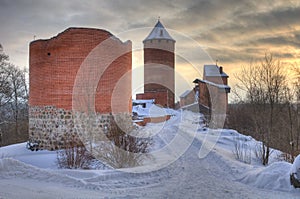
[[288, 107], [13, 101], [296, 69], [5, 91], [122, 150], [18, 91], [263, 86], [74, 155]]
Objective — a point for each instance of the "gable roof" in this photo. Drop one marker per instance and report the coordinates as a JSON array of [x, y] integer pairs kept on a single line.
[[213, 71], [220, 86], [159, 32]]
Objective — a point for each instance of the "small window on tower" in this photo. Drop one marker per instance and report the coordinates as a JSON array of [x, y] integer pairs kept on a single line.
[[48, 54], [161, 33]]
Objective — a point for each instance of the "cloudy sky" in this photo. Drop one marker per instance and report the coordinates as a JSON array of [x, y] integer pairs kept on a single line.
[[235, 32]]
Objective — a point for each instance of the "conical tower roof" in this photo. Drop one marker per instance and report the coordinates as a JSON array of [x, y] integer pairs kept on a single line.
[[159, 32]]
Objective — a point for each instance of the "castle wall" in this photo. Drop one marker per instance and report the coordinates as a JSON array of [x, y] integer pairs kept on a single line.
[[213, 97], [217, 80], [188, 99], [163, 97], [159, 66], [54, 66]]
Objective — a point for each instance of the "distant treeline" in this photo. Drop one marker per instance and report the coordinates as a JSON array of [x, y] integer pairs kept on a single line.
[[267, 106], [13, 102]]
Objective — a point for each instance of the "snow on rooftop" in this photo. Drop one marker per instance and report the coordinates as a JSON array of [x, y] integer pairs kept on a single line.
[[150, 101], [151, 111], [140, 111], [213, 71], [222, 86], [159, 32]]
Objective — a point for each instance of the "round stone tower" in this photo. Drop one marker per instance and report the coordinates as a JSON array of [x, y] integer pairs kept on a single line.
[[159, 66]]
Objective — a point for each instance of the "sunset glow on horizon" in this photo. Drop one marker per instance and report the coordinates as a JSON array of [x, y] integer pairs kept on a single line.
[[234, 32]]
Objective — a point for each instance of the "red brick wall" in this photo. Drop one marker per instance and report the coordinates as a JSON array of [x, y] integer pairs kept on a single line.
[[204, 97], [188, 99], [117, 75], [159, 65], [161, 97], [213, 96], [54, 64], [155, 70], [159, 56]]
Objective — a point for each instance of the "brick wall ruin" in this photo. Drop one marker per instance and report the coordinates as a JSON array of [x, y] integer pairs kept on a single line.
[[104, 63]]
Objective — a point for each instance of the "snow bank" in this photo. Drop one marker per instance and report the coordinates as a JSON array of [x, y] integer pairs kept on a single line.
[[11, 168], [272, 177], [276, 176], [296, 167], [42, 159], [217, 175]]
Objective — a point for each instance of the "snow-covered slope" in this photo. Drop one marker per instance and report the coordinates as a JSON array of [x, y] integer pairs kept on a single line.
[[26, 174]]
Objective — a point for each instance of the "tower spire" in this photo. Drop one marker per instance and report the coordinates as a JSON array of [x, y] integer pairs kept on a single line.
[[159, 66], [159, 32]]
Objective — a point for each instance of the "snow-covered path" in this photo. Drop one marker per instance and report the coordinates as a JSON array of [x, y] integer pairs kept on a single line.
[[218, 175], [188, 177]]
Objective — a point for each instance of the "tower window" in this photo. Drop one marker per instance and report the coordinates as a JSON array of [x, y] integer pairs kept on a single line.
[[49, 54], [161, 33]]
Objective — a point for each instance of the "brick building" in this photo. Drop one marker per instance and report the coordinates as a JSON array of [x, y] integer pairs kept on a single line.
[[187, 98], [159, 66], [209, 94], [79, 70]]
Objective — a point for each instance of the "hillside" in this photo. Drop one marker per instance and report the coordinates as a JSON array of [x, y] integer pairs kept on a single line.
[[183, 167]]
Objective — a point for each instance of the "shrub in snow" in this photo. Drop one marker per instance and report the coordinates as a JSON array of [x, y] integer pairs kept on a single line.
[[74, 155], [295, 173], [32, 145], [242, 151], [263, 153], [123, 150], [286, 157]]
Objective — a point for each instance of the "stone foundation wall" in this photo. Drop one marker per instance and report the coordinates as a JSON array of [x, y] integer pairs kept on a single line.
[[51, 128]]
